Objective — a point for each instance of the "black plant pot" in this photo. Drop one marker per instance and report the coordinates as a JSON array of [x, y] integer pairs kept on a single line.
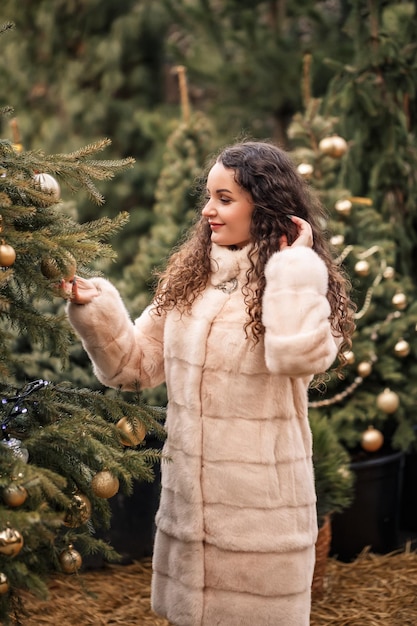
[[408, 521], [373, 517]]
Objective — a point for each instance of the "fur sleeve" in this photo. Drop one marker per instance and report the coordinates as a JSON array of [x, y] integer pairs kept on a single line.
[[298, 337], [124, 354]]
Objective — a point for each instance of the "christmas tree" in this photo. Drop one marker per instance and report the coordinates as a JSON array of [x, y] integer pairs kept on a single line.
[[64, 451], [357, 147]]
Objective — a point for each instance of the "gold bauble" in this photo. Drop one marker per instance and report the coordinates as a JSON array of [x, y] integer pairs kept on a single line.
[[80, 511], [104, 484], [337, 240], [4, 583], [343, 207], [399, 300], [305, 170], [14, 495], [364, 368], [389, 272], [55, 269], [70, 560], [388, 401], [333, 146], [48, 183], [402, 348], [11, 541], [362, 268], [372, 439], [7, 255], [129, 436], [349, 356]]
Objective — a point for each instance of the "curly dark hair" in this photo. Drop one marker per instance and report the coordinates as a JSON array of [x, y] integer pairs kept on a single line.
[[277, 190]]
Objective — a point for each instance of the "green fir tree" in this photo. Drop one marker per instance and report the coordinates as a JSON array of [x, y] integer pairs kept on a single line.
[[63, 450]]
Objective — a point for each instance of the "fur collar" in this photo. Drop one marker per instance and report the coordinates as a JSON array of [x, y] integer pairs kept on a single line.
[[227, 264]]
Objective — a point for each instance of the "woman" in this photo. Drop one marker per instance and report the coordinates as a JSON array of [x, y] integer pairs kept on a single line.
[[248, 310]]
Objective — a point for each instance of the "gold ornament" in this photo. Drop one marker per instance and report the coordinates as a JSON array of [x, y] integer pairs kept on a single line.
[[80, 511], [349, 356], [337, 240], [48, 183], [7, 254], [129, 436], [372, 439], [364, 368], [343, 207], [362, 268], [55, 269], [389, 272], [70, 560], [104, 484], [11, 542], [333, 146], [4, 583], [14, 495], [388, 401], [399, 300], [305, 170], [402, 348]]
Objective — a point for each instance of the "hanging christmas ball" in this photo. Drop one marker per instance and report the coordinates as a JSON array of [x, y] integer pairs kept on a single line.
[[388, 401], [48, 183], [399, 300], [305, 170], [79, 512], [104, 484], [11, 541], [7, 254], [364, 368], [402, 348], [15, 446], [343, 207], [70, 560], [362, 268], [14, 495], [129, 436], [4, 583], [349, 356], [337, 240], [389, 272], [333, 146], [62, 267], [372, 439]]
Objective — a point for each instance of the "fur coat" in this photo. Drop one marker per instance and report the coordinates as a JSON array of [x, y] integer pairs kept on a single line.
[[236, 525]]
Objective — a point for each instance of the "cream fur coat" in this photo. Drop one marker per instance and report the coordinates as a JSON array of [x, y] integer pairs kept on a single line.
[[236, 526]]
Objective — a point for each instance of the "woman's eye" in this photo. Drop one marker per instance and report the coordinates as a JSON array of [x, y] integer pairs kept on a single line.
[[225, 200]]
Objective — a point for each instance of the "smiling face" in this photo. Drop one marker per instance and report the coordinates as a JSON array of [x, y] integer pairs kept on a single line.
[[228, 208]]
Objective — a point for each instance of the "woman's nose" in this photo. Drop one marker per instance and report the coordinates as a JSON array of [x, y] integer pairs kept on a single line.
[[208, 209]]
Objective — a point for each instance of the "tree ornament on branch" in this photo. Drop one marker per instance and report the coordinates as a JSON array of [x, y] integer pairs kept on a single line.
[[7, 252], [388, 401], [14, 495], [131, 435], [399, 300], [49, 184], [79, 512], [372, 439], [4, 583], [305, 170], [333, 146], [104, 484], [402, 348], [11, 542], [70, 560]]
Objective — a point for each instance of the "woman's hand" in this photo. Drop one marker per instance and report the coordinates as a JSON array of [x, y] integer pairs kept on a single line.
[[78, 290], [304, 234]]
